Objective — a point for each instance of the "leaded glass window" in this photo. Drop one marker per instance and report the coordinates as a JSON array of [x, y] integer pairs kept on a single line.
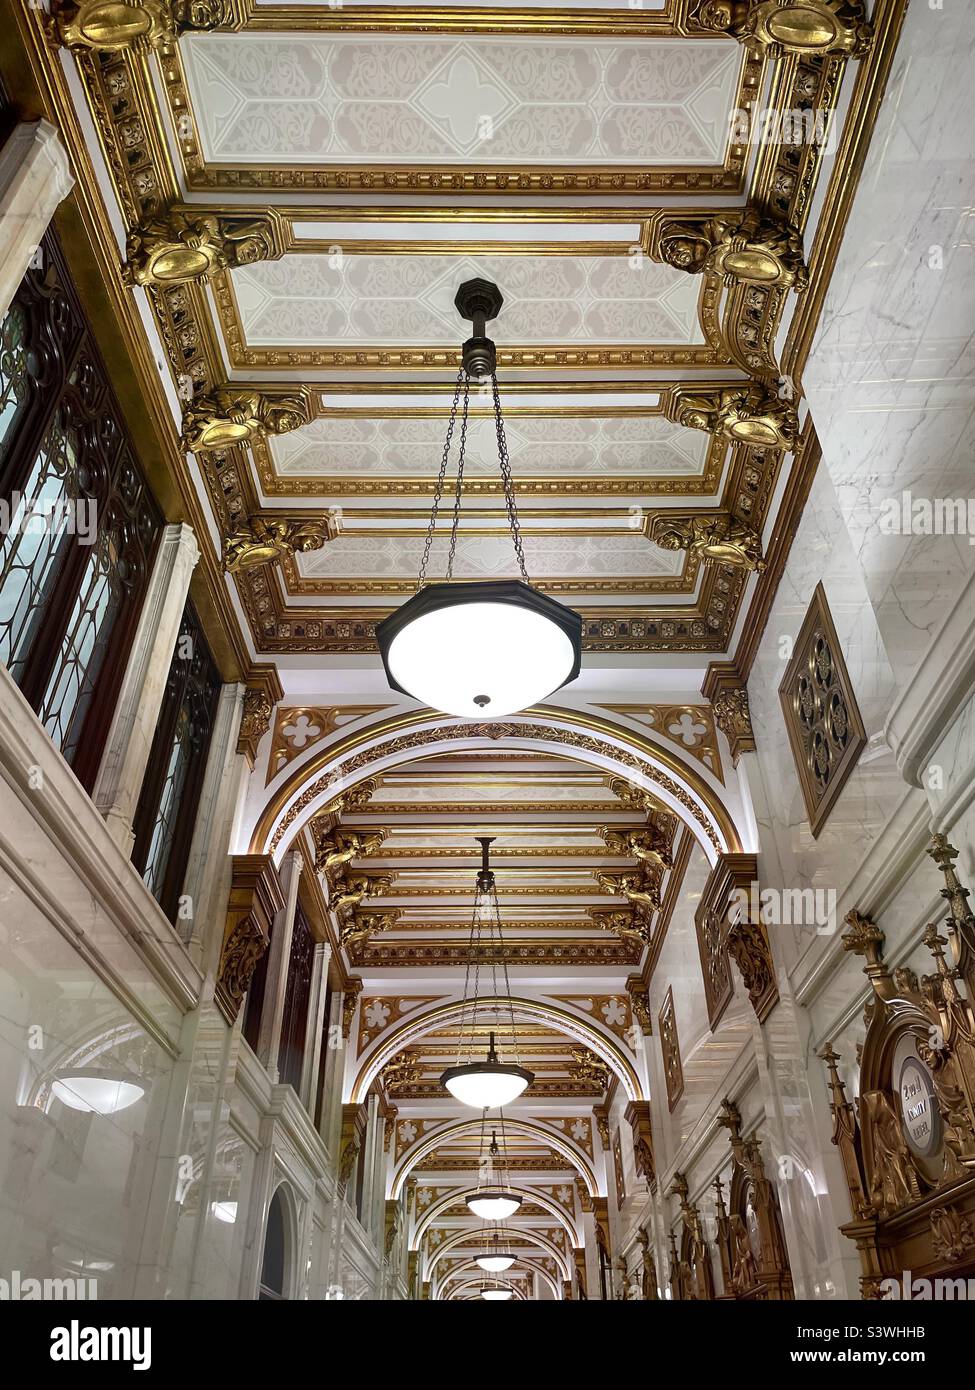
[[79, 523], [166, 814]]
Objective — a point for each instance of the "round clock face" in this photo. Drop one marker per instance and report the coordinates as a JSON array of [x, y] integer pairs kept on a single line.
[[920, 1112]]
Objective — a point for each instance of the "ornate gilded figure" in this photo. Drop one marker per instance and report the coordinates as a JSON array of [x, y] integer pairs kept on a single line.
[[265, 541], [746, 414], [335, 848], [137, 25], [750, 247], [776, 27], [237, 415], [183, 245], [715, 540]]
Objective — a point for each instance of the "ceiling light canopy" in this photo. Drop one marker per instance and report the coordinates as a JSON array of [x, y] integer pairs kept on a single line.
[[479, 650]]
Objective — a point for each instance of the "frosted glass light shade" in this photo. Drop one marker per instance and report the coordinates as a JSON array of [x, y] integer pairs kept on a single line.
[[494, 1264], [493, 1204], [97, 1095], [480, 651], [486, 1085], [496, 1295]]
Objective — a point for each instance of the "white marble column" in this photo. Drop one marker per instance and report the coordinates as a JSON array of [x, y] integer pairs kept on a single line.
[[316, 1021], [276, 985], [206, 886], [330, 1125], [34, 178], [367, 1195], [126, 756]]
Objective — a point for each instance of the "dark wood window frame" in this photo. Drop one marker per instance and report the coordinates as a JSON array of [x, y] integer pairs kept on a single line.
[[66, 387], [183, 731]]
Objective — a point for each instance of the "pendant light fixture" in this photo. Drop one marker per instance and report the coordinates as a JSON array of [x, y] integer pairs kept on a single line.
[[496, 1293], [480, 650], [491, 1083], [493, 1199], [497, 1254]]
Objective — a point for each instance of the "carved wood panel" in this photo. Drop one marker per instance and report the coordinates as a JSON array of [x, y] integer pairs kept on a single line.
[[825, 730]]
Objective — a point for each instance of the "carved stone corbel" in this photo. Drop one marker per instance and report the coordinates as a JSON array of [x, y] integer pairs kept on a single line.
[[727, 694], [350, 999], [640, 1005], [259, 702], [637, 1115]]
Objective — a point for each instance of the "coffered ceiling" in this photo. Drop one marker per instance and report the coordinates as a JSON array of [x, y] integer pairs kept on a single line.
[[390, 154], [358, 163]]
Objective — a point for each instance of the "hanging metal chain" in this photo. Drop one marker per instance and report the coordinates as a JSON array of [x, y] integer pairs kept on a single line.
[[438, 495], [459, 487], [509, 495]]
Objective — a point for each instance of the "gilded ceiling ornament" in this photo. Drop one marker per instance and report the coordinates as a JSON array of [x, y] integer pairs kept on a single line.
[[360, 926], [776, 27], [650, 844], [586, 1066], [749, 247], [137, 25], [237, 415], [265, 541], [747, 414], [631, 927], [355, 889], [404, 1070], [255, 720], [184, 245], [715, 540], [336, 847], [641, 888], [733, 718]]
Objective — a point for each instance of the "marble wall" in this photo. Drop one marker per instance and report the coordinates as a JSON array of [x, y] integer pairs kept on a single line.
[[140, 1140]]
